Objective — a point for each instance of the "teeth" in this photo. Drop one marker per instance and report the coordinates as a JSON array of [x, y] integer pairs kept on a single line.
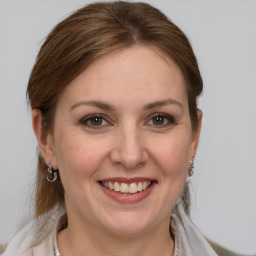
[[111, 186], [133, 188], [140, 186], [126, 188], [116, 186]]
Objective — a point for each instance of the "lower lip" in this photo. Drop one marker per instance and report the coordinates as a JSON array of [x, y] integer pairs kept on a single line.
[[128, 198]]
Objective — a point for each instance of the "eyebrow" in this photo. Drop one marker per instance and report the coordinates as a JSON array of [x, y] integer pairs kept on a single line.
[[162, 103], [105, 106], [94, 103]]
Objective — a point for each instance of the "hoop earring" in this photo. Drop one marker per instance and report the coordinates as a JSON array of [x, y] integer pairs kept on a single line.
[[51, 175], [191, 168]]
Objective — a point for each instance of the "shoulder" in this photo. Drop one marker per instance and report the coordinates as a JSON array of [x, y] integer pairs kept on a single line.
[[221, 251], [23, 244], [18, 244]]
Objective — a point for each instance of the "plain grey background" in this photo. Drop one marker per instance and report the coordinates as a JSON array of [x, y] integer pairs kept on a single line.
[[223, 34]]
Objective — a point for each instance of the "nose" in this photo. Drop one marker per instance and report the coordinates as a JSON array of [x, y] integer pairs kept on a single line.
[[129, 148]]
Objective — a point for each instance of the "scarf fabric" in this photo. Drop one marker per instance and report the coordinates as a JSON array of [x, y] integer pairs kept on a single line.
[[189, 241]]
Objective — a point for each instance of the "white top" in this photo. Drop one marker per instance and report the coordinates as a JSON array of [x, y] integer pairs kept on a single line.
[[188, 239]]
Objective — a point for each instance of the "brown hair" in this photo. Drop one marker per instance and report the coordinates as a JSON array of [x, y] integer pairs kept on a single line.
[[81, 38]]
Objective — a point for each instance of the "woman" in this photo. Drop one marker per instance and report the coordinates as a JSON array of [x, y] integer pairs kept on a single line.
[[114, 108]]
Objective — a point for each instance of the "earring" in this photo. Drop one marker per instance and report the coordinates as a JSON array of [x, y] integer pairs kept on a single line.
[[191, 168], [51, 175]]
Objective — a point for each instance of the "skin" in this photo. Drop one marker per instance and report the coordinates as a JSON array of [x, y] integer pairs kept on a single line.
[[127, 142]]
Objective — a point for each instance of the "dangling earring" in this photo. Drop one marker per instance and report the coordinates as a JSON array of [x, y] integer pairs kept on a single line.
[[51, 175], [191, 168]]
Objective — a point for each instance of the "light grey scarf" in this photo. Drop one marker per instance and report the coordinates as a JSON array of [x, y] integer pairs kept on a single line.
[[188, 239]]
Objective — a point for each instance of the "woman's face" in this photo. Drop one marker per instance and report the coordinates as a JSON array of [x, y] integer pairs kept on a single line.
[[123, 124]]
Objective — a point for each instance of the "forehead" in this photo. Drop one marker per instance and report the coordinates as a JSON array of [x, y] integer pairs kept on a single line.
[[135, 73]]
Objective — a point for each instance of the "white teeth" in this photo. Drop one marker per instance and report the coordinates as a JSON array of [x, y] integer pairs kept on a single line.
[[133, 188], [144, 185], [140, 186], [110, 185], [126, 188], [116, 186]]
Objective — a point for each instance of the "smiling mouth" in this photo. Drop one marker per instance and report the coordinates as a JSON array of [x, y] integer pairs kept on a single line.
[[127, 188]]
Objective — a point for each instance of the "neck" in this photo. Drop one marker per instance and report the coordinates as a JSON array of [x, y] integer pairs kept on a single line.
[[91, 241]]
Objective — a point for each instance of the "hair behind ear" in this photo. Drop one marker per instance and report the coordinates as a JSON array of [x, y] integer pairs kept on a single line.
[[3, 247], [186, 199]]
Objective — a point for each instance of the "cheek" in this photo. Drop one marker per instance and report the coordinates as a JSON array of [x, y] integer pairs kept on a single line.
[[173, 155], [77, 156]]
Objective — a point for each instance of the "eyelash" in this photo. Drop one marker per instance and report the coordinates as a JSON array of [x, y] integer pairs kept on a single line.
[[85, 121], [167, 118]]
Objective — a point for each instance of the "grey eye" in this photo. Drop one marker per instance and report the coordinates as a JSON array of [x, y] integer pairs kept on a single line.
[[158, 120], [95, 121], [161, 120]]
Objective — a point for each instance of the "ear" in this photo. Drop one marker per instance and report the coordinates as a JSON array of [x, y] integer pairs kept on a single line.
[[44, 139], [196, 133]]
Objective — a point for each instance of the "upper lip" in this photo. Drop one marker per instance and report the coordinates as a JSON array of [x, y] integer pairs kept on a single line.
[[128, 180]]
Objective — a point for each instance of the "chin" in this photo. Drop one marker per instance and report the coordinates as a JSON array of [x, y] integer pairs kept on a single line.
[[129, 224]]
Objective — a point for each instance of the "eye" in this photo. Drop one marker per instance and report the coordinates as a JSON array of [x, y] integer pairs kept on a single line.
[[94, 121], [161, 120]]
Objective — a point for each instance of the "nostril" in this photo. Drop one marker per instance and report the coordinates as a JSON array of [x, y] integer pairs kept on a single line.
[[128, 147], [129, 159]]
